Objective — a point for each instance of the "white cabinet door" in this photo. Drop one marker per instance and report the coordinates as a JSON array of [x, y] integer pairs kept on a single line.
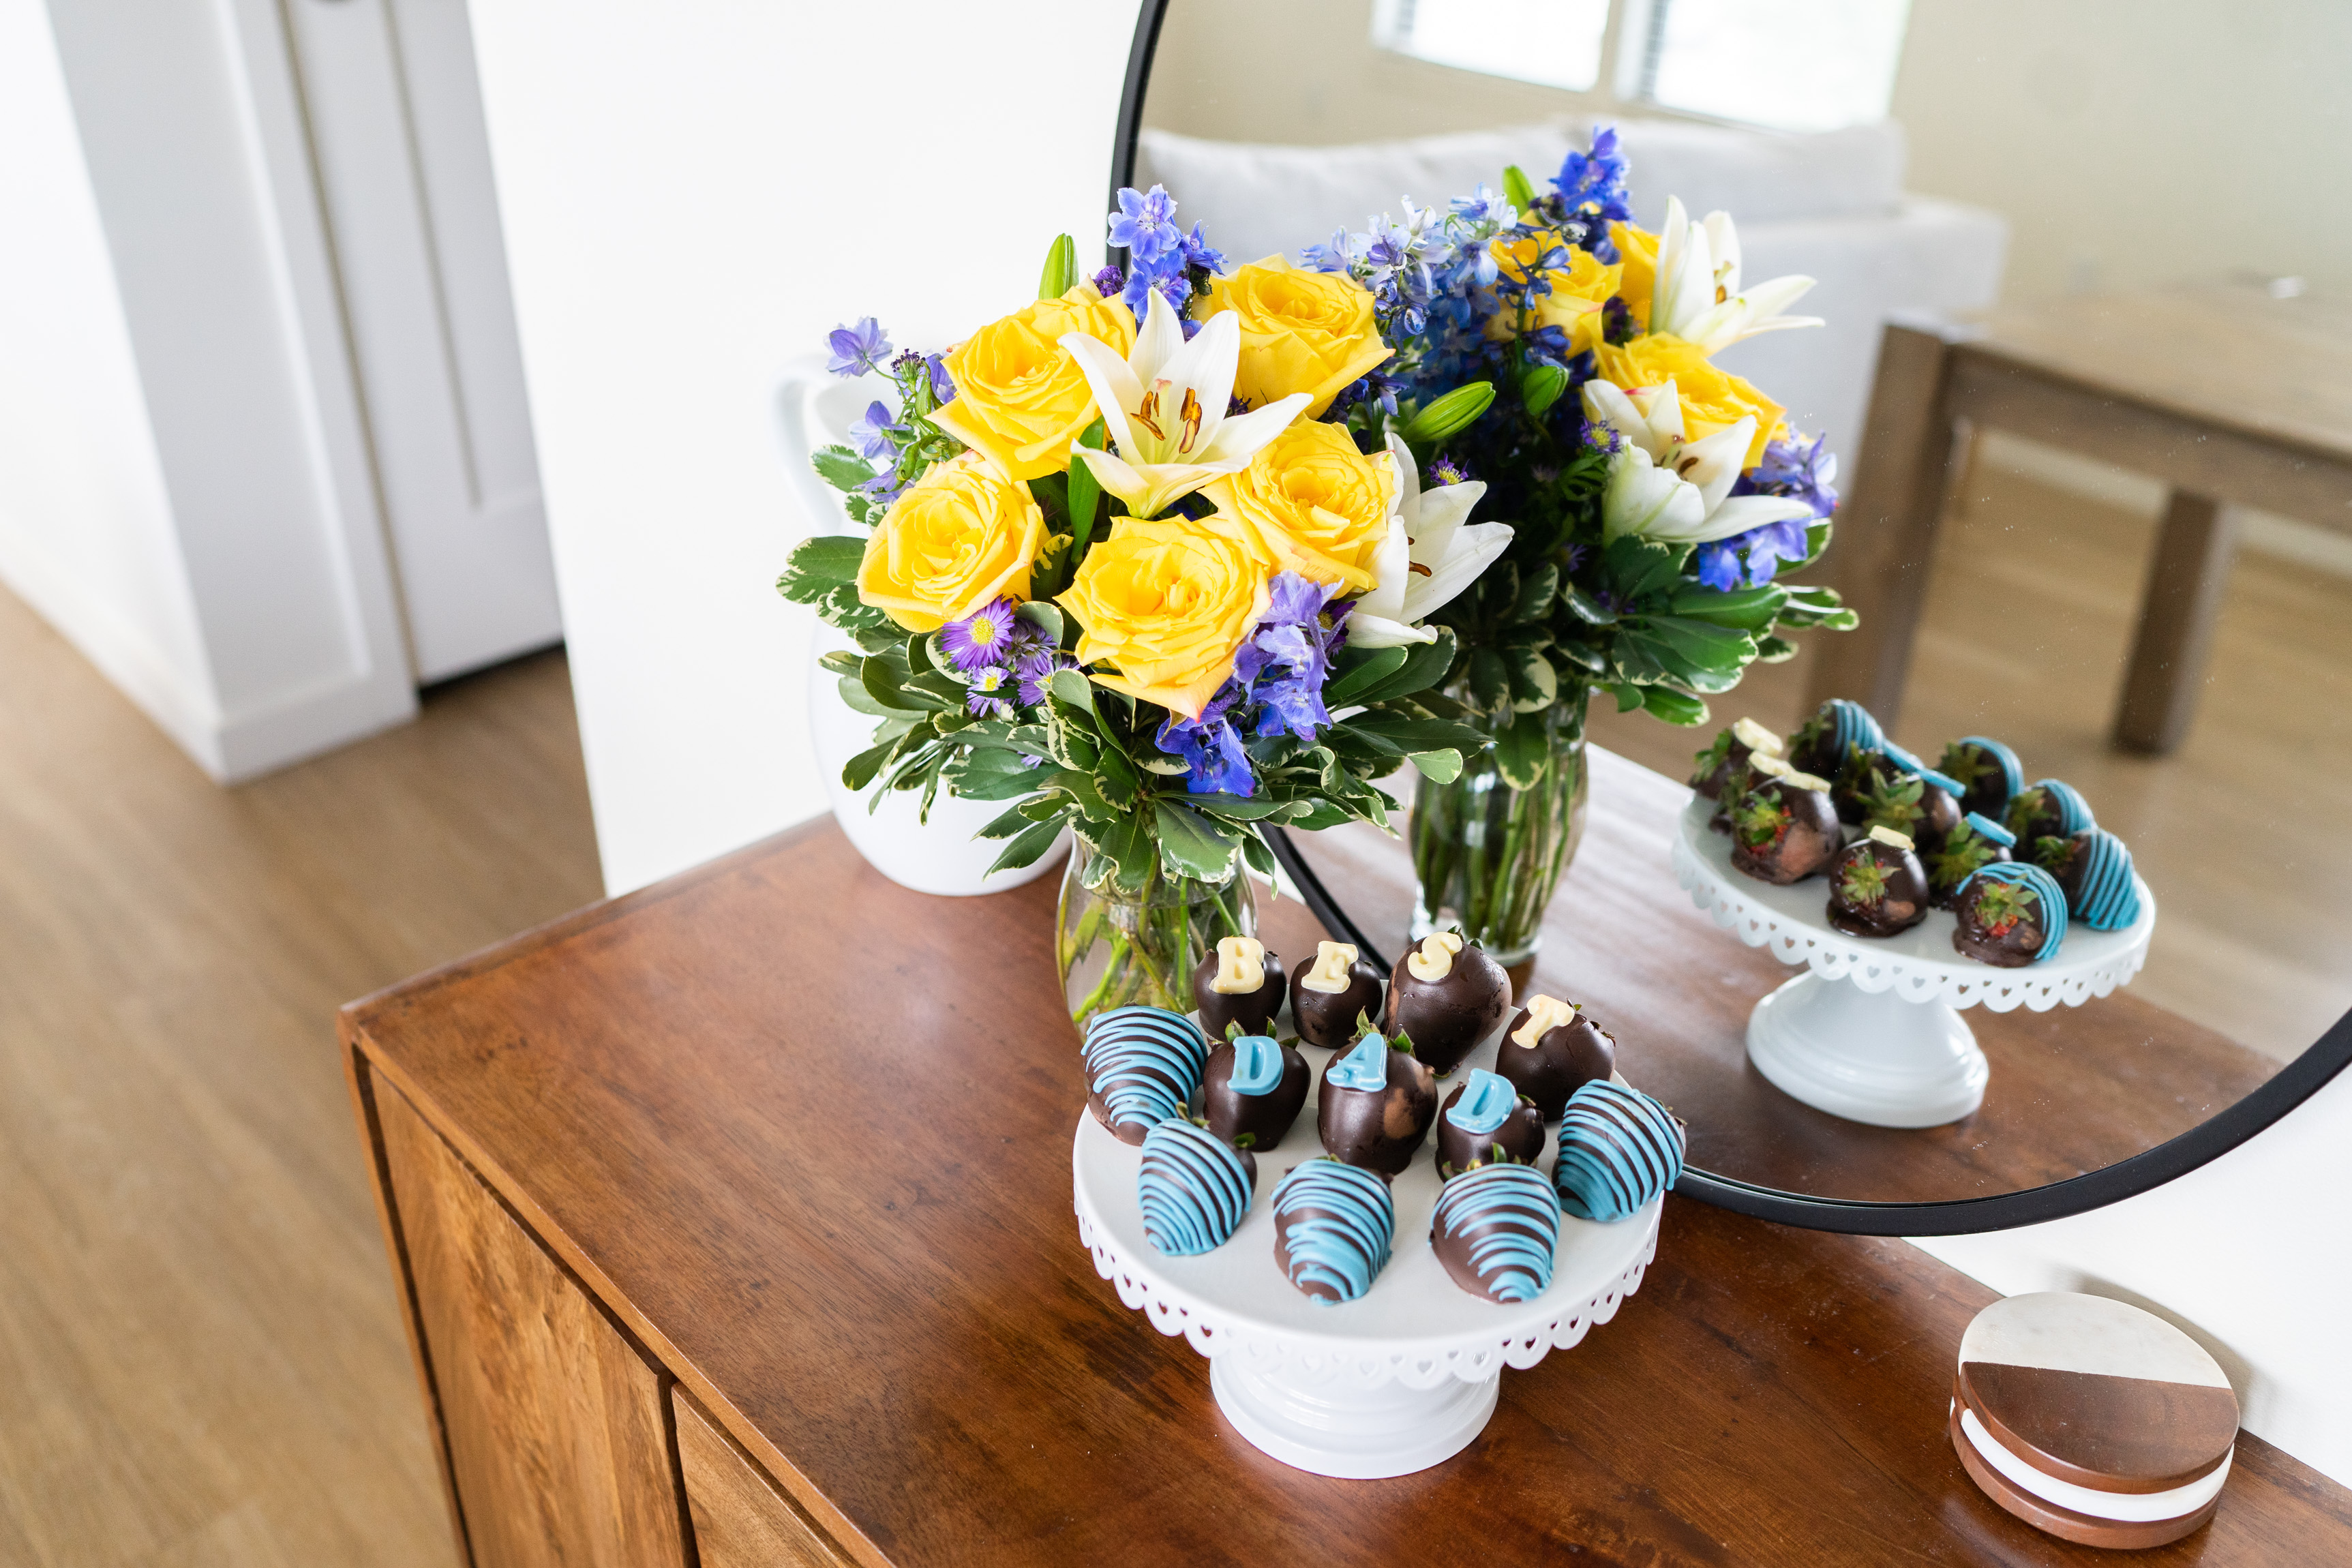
[[395, 121]]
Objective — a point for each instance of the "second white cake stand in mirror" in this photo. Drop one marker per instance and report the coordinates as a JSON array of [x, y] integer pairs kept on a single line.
[[1871, 1031], [1396, 1381]]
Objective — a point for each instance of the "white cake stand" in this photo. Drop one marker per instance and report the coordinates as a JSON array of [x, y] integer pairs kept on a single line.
[[1872, 1031], [1396, 1381]]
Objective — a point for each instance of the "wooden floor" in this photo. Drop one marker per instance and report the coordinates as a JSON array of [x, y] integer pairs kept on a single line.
[[2244, 833], [200, 1360]]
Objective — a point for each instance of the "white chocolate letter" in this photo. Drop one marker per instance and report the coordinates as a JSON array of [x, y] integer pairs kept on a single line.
[[1545, 1013], [1891, 838], [1330, 975], [1436, 959], [1241, 966], [1757, 737]]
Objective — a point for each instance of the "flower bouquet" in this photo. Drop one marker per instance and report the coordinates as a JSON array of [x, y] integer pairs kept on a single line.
[[1131, 568], [1657, 503]]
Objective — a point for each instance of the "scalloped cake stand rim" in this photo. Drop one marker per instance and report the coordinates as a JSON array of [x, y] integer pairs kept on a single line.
[[1238, 1302], [2093, 962]]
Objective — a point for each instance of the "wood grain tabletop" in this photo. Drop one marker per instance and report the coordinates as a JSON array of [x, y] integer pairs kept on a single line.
[[806, 1136]]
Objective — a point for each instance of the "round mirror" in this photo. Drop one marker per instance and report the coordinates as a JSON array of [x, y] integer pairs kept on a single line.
[[2087, 371]]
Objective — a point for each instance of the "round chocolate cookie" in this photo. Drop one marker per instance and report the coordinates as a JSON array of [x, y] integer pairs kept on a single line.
[[1239, 983], [1823, 743], [1784, 829], [1193, 1190], [1486, 1121], [2094, 870], [1989, 773], [1727, 759], [1977, 842], [1495, 1231], [1375, 1107], [1878, 887], [2011, 915], [1330, 991], [1445, 996], [1252, 1090], [1552, 1050], [1142, 1066], [1332, 1227]]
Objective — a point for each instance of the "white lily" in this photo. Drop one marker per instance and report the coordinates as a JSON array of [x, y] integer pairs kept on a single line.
[[1164, 408], [1430, 556], [1663, 486], [1696, 295]]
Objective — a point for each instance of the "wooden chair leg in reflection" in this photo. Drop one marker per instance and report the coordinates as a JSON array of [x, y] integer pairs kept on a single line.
[[2193, 551], [1914, 456]]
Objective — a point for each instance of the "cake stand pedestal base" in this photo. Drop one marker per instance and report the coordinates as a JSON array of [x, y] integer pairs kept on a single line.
[[1332, 1428], [1869, 1056]]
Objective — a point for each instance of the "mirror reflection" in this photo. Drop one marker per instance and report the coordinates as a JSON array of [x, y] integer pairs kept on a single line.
[[2098, 488]]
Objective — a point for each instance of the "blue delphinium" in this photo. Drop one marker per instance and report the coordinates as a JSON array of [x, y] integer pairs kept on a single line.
[[1591, 187], [1161, 258], [1276, 686], [857, 350], [1801, 471], [870, 432], [1144, 225]]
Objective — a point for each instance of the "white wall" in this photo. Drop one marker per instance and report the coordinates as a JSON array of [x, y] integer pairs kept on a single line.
[[694, 194], [190, 500]]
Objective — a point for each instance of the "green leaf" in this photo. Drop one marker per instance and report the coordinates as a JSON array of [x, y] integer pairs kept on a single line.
[[886, 678], [1456, 411], [1639, 568], [859, 771], [1439, 767], [1240, 808], [1537, 589], [1007, 825], [841, 468], [1673, 707], [1061, 273], [1540, 387], [1192, 846], [1521, 754], [1704, 645], [1025, 849], [1424, 666], [1069, 685], [819, 564], [1127, 843], [1046, 617], [1583, 655], [853, 691], [1086, 496], [1418, 735], [1586, 608], [1774, 650], [1490, 679], [1742, 609], [1359, 670], [1516, 188], [1628, 696], [1534, 686]]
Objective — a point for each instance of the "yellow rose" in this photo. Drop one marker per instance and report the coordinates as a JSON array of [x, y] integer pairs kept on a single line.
[[1711, 399], [1577, 292], [1637, 252], [1166, 604], [1020, 397], [1301, 330], [1313, 504], [957, 538]]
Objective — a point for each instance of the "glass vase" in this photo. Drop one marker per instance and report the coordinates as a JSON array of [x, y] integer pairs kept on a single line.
[[1487, 857], [1127, 947]]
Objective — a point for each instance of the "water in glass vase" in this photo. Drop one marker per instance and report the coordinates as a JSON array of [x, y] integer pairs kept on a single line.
[[1127, 947], [1488, 856]]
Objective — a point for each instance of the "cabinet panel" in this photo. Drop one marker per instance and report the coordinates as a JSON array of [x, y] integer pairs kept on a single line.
[[554, 1422], [741, 1519]]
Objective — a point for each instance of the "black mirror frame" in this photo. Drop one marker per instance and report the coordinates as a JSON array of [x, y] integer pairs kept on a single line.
[[2294, 1083]]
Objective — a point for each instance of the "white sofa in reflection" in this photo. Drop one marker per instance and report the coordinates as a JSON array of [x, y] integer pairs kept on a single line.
[[1830, 204]]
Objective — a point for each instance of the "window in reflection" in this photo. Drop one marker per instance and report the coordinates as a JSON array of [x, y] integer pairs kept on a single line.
[[1555, 42], [1798, 64]]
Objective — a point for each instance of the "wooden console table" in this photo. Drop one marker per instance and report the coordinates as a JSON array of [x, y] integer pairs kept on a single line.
[[732, 1221], [2230, 395]]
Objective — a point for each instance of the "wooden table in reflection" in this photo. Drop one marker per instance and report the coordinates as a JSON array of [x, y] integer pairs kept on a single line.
[[2073, 1089]]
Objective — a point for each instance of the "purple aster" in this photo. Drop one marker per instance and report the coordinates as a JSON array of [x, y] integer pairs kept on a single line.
[[986, 699], [943, 388], [981, 640], [1616, 322], [1035, 664], [1143, 226], [1448, 471], [1109, 282], [857, 350], [870, 432]]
